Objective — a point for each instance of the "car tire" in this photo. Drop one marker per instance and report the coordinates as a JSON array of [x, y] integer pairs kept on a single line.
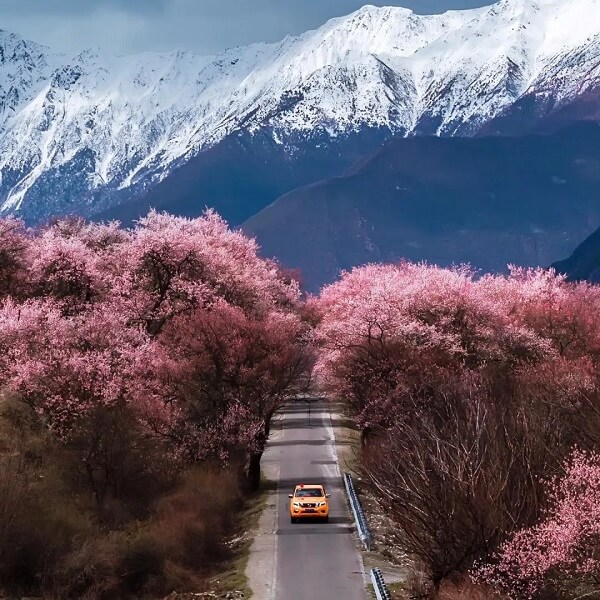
[[325, 519], [292, 520]]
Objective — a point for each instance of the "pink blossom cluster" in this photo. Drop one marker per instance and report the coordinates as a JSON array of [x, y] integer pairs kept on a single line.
[[377, 316], [565, 541], [532, 313], [178, 320]]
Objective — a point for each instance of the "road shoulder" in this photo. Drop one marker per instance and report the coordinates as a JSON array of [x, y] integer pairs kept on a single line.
[[261, 569], [347, 437]]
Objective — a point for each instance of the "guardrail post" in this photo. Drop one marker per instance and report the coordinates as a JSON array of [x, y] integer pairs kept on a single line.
[[381, 591]]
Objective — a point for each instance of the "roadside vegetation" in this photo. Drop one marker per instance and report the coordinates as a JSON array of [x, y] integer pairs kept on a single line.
[[139, 372], [479, 406]]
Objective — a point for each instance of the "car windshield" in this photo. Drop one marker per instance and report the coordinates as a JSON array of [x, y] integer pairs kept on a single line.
[[309, 493]]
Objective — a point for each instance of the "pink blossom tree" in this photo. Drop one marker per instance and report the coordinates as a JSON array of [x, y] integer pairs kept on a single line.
[[382, 326], [14, 241], [564, 544], [470, 389], [177, 322], [174, 265], [64, 367], [559, 311], [227, 372]]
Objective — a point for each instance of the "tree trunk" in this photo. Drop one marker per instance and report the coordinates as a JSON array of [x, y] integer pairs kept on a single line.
[[254, 471], [364, 437], [254, 460]]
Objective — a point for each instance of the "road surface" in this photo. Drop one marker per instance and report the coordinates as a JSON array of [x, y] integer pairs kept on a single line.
[[312, 560]]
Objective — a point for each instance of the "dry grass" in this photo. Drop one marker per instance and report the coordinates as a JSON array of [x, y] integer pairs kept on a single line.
[[464, 589], [233, 577], [177, 549], [397, 591], [347, 437], [57, 542]]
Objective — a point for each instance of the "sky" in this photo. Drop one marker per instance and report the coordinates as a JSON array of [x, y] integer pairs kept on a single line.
[[203, 26]]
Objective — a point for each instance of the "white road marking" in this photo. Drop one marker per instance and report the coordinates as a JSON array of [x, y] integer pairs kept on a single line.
[[338, 473]]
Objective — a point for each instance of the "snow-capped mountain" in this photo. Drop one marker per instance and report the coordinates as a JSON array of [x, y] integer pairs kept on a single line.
[[90, 130]]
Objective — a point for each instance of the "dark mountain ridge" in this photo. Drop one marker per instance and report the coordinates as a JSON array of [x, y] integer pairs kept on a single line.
[[245, 172], [486, 201], [584, 263]]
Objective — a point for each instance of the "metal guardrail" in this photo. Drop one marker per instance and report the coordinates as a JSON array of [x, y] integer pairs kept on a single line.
[[359, 516], [381, 591]]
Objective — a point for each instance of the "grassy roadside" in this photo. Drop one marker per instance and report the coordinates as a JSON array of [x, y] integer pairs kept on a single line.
[[347, 438], [233, 578], [396, 590]]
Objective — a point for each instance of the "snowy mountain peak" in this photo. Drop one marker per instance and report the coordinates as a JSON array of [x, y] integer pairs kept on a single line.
[[114, 125]]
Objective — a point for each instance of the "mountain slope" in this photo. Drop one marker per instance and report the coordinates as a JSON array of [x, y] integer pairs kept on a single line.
[[487, 201], [244, 173], [85, 133], [584, 263]]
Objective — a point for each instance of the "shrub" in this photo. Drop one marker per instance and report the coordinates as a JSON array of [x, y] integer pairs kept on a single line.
[[164, 530]]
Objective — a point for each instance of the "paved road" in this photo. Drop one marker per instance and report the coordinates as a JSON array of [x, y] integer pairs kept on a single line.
[[314, 560]]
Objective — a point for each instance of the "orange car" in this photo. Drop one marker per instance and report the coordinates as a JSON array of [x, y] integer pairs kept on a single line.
[[309, 502]]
